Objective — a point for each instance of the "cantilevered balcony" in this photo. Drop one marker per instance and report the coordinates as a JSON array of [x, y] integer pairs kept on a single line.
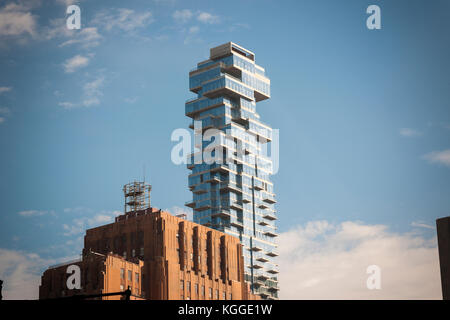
[[269, 216], [221, 212], [203, 207], [263, 206], [256, 265], [261, 276], [227, 85], [271, 234], [260, 96], [236, 206], [200, 189], [273, 271], [256, 248], [269, 198], [190, 204], [237, 223], [272, 253], [257, 185], [262, 259], [230, 187]]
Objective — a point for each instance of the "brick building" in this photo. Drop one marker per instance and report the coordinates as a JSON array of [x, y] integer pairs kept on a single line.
[[443, 236], [99, 274], [173, 258]]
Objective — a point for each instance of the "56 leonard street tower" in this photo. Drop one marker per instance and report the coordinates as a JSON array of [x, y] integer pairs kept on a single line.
[[235, 195]]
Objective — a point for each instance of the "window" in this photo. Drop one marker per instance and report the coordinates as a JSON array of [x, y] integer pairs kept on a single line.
[[121, 287], [124, 254], [231, 296], [203, 291], [224, 296], [217, 294], [122, 273], [133, 253], [130, 275], [182, 284], [142, 251], [188, 286], [196, 288], [136, 276], [210, 293]]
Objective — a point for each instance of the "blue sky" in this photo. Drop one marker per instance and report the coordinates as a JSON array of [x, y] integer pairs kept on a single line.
[[363, 114]]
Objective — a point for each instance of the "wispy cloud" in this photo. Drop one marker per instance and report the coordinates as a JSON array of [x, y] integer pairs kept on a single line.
[[194, 29], [4, 112], [79, 225], [5, 89], [124, 19], [34, 213], [86, 38], [440, 157], [418, 224], [182, 16], [17, 20], [408, 132], [323, 260], [21, 272], [92, 92], [75, 63], [207, 17]]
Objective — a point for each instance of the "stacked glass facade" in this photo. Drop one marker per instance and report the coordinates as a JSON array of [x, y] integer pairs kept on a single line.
[[234, 194]]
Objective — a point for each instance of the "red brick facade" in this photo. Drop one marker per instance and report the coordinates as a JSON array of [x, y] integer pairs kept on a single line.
[[178, 259]]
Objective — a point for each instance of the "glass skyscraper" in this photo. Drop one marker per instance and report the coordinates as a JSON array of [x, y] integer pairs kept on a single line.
[[233, 193]]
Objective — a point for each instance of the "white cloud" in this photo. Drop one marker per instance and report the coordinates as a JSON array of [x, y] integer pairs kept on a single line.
[[5, 89], [31, 213], [86, 37], [419, 224], [124, 19], [91, 94], [407, 132], [182, 16], [194, 29], [67, 105], [74, 63], [79, 225], [441, 157], [16, 20], [322, 260], [92, 91], [206, 17], [21, 273]]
